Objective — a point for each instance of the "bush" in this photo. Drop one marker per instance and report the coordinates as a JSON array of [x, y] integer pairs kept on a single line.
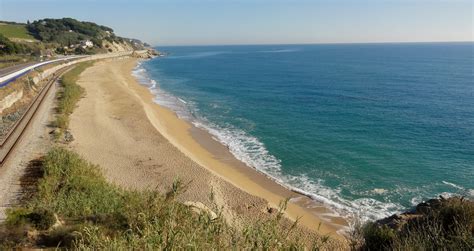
[[447, 224], [378, 237], [80, 50], [8, 47], [17, 216], [42, 218]]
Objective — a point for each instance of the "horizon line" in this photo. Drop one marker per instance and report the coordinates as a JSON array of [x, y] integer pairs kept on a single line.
[[328, 43]]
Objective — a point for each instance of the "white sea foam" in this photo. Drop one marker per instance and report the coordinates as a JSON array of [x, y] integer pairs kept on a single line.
[[179, 106], [471, 193], [379, 191], [253, 152], [182, 101], [453, 185]]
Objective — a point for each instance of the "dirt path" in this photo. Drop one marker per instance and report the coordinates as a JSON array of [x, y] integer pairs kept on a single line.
[[34, 143]]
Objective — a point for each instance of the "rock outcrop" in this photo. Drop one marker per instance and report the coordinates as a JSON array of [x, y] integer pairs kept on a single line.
[[422, 210], [10, 99]]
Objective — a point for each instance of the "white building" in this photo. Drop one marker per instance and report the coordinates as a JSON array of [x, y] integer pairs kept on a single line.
[[86, 44]]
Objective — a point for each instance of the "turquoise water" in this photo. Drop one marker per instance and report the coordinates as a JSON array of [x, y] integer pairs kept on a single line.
[[370, 129]]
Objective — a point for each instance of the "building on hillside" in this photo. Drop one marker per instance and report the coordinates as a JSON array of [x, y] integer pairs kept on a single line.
[[86, 44]]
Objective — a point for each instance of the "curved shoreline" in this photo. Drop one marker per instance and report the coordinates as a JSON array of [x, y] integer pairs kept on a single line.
[[142, 145], [201, 147]]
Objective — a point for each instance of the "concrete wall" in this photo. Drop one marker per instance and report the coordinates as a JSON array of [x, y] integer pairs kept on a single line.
[[10, 99]]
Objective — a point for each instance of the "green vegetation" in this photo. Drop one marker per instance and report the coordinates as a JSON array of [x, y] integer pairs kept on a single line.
[[14, 52], [15, 31], [47, 37], [74, 207], [7, 47], [17, 45], [68, 31], [69, 95], [447, 226], [9, 60]]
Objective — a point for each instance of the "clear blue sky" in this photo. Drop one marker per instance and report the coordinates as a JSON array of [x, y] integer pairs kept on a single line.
[[182, 22]]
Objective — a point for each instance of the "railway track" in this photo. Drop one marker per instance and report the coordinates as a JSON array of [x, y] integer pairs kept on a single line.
[[14, 135]]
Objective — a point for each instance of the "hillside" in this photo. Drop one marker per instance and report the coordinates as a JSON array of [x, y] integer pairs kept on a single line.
[[68, 32], [15, 31], [49, 37]]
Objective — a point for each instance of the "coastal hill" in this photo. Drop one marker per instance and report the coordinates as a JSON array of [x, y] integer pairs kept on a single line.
[[49, 37], [84, 37]]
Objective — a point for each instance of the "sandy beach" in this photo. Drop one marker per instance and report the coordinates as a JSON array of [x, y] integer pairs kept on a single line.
[[141, 145]]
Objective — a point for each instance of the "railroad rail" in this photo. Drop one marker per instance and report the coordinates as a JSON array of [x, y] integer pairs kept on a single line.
[[14, 135]]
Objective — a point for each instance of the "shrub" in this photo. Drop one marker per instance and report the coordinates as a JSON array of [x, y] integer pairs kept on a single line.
[[42, 218], [447, 224], [8, 47], [17, 216], [377, 237]]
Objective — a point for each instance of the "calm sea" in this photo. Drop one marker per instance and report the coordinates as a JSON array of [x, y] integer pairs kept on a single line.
[[370, 129]]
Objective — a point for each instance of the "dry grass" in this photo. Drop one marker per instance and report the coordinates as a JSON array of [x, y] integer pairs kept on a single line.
[[74, 207], [69, 95]]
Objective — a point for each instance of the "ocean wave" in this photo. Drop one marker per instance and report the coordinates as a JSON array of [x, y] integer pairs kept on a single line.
[[251, 151], [461, 191], [453, 185], [244, 147], [362, 208], [182, 101], [178, 105]]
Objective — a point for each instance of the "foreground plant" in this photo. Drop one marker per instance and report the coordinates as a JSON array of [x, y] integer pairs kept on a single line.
[[75, 207]]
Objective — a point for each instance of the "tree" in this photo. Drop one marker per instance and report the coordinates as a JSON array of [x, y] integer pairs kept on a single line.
[[80, 50], [8, 47]]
